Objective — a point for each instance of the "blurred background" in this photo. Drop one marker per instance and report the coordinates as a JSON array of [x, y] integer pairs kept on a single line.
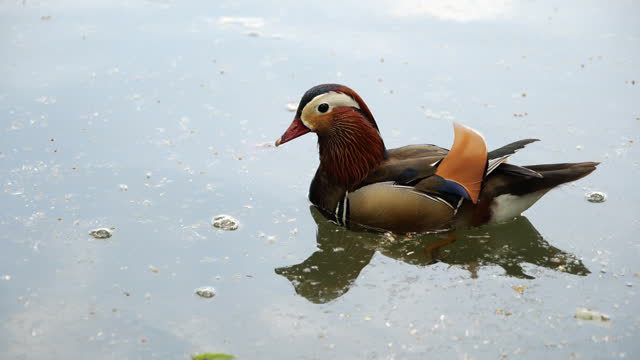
[[151, 117]]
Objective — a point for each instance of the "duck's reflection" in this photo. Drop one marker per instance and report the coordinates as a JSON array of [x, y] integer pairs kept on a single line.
[[330, 271]]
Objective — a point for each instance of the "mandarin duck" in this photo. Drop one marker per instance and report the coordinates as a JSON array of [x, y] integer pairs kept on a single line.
[[415, 188]]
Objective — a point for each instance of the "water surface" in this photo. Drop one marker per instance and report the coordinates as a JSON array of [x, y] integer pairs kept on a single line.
[[152, 117]]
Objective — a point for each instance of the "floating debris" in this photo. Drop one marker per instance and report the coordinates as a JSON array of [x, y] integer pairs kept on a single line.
[[123, 187], [206, 292], [102, 233], [388, 236], [596, 196], [444, 115], [225, 222], [212, 356], [264, 145], [588, 314], [46, 100], [246, 22], [519, 289], [292, 107]]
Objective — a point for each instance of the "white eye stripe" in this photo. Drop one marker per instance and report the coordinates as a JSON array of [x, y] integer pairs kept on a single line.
[[332, 98]]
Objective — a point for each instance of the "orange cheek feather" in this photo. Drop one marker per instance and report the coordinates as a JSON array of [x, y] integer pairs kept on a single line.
[[322, 123]]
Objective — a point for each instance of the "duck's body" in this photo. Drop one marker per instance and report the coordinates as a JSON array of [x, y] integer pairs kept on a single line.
[[415, 188]]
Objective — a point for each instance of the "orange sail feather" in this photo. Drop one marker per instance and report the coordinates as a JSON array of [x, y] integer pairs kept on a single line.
[[466, 162]]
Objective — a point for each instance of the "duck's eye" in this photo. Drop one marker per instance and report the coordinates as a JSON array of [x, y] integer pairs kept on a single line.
[[323, 108]]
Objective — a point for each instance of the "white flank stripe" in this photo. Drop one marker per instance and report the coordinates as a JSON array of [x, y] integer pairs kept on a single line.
[[494, 163], [344, 208], [432, 198]]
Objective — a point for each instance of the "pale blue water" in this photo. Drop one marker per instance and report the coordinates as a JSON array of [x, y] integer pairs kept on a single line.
[[180, 103]]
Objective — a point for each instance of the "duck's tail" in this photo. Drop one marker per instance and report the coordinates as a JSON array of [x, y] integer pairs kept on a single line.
[[512, 189], [554, 175]]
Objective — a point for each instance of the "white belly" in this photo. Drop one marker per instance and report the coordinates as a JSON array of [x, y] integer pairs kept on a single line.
[[507, 206]]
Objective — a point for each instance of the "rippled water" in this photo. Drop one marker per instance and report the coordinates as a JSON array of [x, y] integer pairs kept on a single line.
[[150, 118]]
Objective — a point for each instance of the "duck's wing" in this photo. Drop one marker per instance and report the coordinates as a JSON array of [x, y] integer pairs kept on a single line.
[[403, 171], [459, 171], [407, 164], [416, 151], [499, 157], [510, 149]]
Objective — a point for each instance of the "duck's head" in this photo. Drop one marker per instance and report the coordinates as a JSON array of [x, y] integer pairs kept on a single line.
[[349, 142], [322, 109]]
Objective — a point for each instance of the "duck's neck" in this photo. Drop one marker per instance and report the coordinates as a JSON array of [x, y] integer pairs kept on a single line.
[[350, 150]]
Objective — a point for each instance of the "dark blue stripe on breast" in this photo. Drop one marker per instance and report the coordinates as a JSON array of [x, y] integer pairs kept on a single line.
[[453, 187]]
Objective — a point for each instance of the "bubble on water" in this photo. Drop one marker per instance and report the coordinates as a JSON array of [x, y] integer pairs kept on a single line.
[[225, 222], [123, 187], [206, 292], [596, 196], [101, 233]]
